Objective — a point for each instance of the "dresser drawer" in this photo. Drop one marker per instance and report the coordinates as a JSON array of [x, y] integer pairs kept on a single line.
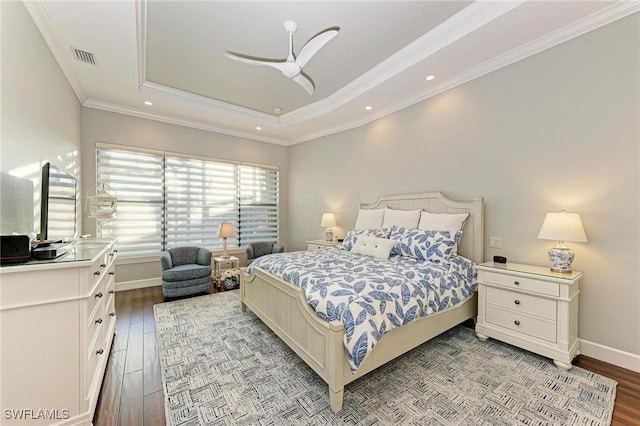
[[539, 328], [99, 289], [96, 318], [94, 354], [521, 302], [521, 283], [110, 307]]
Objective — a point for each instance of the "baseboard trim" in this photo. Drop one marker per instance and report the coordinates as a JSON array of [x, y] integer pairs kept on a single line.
[[612, 356], [131, 285]]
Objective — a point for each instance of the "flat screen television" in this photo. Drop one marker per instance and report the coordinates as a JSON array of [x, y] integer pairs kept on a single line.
[[58, 204]]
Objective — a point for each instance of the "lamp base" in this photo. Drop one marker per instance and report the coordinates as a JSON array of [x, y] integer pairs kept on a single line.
[[561, 258], [224, 256], [328, 234]]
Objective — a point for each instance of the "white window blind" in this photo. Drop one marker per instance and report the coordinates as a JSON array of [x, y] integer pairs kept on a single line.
[[200, 194], [258, 218], [137, 178], [61, 205], [170, 200]]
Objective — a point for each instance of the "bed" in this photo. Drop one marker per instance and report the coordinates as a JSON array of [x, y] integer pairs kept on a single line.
[[284, 309]]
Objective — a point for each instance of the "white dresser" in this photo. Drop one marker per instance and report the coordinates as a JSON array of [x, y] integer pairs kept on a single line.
[[57, 321], [321, 244], [530, 307]]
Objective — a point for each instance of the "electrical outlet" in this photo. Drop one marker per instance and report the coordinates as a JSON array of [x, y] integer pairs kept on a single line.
[[495, 242]]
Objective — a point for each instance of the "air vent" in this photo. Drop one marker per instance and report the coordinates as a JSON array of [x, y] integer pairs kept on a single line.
[[83, 56]]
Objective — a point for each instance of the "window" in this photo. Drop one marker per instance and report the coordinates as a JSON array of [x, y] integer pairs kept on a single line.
[[169, 200]]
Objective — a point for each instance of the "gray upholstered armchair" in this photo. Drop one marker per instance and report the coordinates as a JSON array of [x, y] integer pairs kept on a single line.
[[260, 248], [185, 271]]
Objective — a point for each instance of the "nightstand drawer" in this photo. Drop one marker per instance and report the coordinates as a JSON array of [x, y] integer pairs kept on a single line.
[[226, 264], [515, 282], [321, 244], [311, 246], [521, 302], [521, 323]]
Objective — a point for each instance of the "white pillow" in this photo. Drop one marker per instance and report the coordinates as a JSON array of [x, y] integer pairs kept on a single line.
[[374, 246], [369, 219], [401, 218], [442, 221]]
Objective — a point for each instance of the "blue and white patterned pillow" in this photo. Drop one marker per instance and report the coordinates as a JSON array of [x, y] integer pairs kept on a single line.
[[431, 245], [352, 236]]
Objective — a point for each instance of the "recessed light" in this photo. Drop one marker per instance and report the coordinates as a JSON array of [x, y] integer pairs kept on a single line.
[[368, 107], [258, 128], [430, 77], [148, 103]]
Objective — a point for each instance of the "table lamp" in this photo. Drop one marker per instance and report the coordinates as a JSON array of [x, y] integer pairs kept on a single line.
[[328, 221], [561, 227], [225, 230]]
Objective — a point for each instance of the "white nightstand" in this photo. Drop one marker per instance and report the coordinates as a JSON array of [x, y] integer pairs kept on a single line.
[[321, 244], [220, 263], [530, 307]]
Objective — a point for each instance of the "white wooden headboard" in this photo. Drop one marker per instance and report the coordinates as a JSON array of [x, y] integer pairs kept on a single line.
[[472, 243]]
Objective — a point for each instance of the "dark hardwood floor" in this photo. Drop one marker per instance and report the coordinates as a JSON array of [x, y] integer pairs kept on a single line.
[[132, 390]]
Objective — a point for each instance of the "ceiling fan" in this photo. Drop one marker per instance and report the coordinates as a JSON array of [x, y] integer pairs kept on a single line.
[[292, 66]]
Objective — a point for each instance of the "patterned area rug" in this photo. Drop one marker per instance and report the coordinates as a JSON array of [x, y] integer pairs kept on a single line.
[[224, 367]]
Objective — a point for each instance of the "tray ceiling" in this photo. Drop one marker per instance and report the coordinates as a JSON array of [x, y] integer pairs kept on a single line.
[[171, 54]]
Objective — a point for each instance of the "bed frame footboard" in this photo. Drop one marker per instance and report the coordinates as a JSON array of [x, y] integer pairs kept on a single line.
[[284, 309]]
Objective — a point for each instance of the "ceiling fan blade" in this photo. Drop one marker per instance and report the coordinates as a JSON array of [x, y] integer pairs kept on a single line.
[[305, 83], [280, 66], [314, 45]]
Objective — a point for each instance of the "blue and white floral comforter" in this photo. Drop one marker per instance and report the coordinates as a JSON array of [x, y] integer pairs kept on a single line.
[[370, 295]]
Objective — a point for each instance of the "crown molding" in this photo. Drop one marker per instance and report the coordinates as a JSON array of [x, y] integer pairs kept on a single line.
[[459, 25], [467, 20], [170, 119], [141, 40], [60, 53], [159, 91], [594, 21]]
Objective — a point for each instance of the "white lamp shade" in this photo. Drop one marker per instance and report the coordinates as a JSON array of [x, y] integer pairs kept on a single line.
[[562, 226], [225, 230], [328, 220]]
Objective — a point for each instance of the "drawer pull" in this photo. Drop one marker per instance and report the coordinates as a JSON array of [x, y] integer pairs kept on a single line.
[[98, 295], [516, 282], [516, 322], [100, 351], [103, 265], [111, 291], [112, 314], [111, 254], [99, 321], [112, 272], [96, 273], [517, 302]]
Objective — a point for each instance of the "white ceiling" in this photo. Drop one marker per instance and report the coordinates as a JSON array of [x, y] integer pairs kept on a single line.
[[171, 53]]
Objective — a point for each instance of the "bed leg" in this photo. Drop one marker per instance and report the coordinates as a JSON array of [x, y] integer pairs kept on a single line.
[[335, 399], [243, 307]]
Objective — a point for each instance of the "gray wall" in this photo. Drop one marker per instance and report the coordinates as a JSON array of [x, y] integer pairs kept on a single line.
[[558, 130], [40, 116], [102, 126]]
